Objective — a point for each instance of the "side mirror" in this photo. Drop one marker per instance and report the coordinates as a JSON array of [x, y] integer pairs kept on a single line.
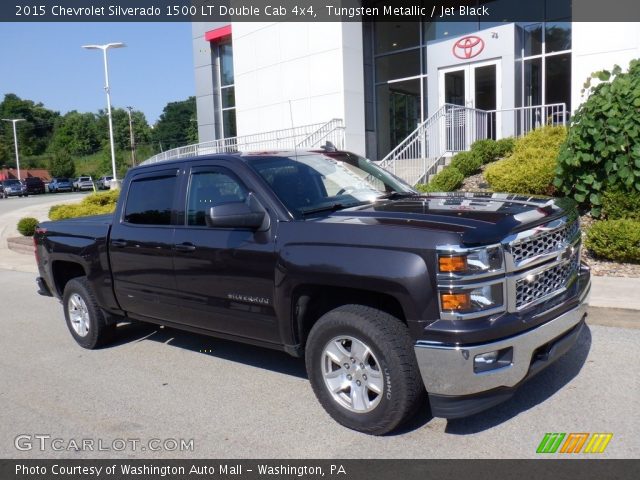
[[248, 214]]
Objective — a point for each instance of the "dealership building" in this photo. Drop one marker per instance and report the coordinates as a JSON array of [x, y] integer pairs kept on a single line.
[[379, 81]]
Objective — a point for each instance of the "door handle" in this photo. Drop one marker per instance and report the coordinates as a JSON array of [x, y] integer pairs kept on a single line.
[[118, 243], [184, 247]]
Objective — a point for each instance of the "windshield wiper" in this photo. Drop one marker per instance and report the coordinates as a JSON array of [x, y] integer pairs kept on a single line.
[[330, 208], [392, 195]]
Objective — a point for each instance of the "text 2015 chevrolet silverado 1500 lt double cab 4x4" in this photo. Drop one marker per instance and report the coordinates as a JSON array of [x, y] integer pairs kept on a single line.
[[387, 294]]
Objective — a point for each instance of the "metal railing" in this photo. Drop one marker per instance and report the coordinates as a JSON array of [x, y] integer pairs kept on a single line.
[[453, 128], [517, 122], [306, 136]]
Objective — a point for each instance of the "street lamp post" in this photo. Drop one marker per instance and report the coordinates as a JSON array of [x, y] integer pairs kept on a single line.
[[132, 139], [15, 139], [104, 49]]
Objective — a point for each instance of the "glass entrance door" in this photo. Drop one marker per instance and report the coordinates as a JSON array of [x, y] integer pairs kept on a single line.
[[474, 85]]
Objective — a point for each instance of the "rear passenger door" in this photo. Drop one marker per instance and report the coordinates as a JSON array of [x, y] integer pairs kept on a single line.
[[141, 246], [225, 276]]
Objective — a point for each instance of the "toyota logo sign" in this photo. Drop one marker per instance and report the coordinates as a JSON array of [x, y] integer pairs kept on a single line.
[[468, 47]]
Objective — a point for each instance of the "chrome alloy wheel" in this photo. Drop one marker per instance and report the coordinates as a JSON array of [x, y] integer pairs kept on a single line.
[[352, 374], [78, 314]]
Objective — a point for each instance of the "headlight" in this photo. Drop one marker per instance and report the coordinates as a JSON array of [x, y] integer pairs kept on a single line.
[[471, 261], [467, 300]]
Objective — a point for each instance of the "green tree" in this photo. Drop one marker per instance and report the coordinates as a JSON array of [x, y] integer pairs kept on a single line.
[[122, 162], [62, 164], [76, 133], [121, 133], [34, 133], [177, 125]]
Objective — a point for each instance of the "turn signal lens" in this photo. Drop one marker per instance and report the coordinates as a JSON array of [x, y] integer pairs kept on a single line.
[[455, 301], [453, 264]]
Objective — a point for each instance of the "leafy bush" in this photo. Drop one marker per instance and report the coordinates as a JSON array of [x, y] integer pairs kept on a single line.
[[619, 203], [485, 150], [617, 240], [447, 180], [504, 147], [531, 167], [27, 226], [467, 163], [94, 204], [602, 150]]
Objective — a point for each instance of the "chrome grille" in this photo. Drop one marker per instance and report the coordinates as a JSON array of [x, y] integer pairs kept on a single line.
[[547, 282], [542, 243]]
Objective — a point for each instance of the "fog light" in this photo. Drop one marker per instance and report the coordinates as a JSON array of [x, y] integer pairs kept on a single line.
[[487, 358], [493, 360]]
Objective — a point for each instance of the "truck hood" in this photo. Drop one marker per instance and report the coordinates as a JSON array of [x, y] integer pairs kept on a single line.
[[480, 218]]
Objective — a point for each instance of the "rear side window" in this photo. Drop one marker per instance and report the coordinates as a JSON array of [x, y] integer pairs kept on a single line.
[[150, 201]]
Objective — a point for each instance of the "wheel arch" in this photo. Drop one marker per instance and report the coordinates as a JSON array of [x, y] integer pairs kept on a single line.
[[311, 301]]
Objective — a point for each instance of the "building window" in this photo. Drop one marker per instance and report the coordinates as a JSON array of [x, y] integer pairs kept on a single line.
[[227, 89], [546, 63]]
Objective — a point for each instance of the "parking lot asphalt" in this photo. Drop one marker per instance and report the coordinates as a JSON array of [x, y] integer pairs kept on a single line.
[[238, 401]]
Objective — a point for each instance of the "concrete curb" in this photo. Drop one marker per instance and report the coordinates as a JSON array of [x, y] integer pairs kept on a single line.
[[22, 245]]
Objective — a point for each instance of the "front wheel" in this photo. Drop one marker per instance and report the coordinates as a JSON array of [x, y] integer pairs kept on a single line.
[[85, 319], [362, 368]]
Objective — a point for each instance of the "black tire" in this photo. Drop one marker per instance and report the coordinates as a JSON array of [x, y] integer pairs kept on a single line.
[[98, 333], [392, 349]]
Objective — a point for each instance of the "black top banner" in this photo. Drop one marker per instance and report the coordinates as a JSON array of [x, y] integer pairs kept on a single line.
[[318, 10]]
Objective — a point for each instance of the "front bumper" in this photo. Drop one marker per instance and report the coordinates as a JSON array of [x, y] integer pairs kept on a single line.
[[456, 390]]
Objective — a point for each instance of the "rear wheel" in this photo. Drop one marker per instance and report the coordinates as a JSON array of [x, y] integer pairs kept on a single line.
[[362, 368], [85, 319]]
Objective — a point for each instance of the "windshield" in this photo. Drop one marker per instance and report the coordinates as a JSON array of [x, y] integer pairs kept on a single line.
[[11, 183], [317, 182], [84, 179], [61, 180]]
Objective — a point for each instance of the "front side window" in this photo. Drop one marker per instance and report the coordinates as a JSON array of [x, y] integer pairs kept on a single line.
[[150, 201], [209, 189]]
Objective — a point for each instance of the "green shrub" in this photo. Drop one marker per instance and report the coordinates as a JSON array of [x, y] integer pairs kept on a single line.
[[531, 167], [94, 204], [27, 226], [447, 180], [485, 150], [617, 240], [109, 197], [619, 203], [467, 163], [602, 150], [504, 147]]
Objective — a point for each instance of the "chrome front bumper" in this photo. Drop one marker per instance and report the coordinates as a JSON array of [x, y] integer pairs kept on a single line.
[[449, 370]]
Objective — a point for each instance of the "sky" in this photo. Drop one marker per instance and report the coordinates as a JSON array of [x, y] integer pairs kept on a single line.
[[44, 62]]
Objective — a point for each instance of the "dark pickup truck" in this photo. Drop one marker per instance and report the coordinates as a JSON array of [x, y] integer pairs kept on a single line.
[[389, 294]]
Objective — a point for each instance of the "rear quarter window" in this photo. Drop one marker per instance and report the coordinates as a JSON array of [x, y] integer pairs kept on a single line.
[[150, 201]]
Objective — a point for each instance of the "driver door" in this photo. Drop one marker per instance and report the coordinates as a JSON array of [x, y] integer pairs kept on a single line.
[[225, 276]]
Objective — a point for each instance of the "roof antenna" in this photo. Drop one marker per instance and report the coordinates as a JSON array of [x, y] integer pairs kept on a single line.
[[295, 141]]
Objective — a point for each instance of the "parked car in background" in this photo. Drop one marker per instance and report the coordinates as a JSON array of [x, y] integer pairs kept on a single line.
[[34, 185], [104, 182], [60, 185], [12, 188], [83, 183]]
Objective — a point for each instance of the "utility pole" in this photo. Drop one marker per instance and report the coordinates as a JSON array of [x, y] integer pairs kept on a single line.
[[15, 139], [132, 139]]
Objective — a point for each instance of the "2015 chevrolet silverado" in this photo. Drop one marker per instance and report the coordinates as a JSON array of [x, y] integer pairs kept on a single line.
[[387, 293]]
